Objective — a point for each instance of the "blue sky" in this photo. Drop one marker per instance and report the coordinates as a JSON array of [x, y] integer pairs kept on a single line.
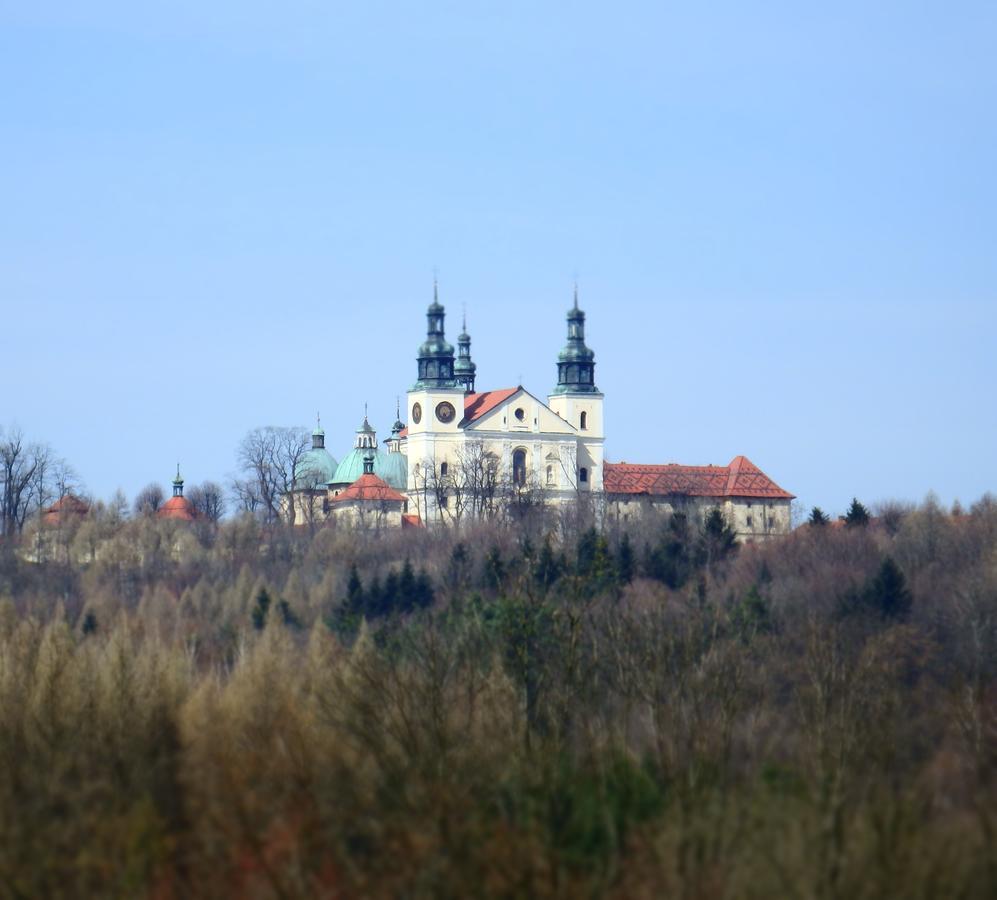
[[782, 218]]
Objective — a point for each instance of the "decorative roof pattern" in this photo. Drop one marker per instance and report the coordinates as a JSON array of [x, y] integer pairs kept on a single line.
[[370, 489], [477, 405], [742, 478]]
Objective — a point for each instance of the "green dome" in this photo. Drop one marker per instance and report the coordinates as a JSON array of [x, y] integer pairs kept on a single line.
[[317, 467], [394, 469], [390, 467]]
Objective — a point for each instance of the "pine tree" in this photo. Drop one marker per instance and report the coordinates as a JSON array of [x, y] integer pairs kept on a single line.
[[261, 609], [887, 593], [354, 604], [89, 623], [717, 539], [625, 560], [857, 515], [818, 517], [406, 588], [547, 569]]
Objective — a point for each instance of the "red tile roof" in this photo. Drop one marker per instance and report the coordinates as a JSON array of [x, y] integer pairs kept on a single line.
[[177, 508], [477, 405], [370, 488], [741, 478], [403, 433], [66, 507], [411, 520]]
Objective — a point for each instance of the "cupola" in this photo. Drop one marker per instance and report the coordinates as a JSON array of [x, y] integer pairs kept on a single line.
[[576, 362], [435, 361], [464, 368]]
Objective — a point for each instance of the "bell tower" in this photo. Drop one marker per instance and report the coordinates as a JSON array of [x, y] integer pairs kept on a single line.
[[435, 405], [578, 401]]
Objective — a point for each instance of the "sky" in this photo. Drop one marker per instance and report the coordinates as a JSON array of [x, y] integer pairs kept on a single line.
[[781, 217]]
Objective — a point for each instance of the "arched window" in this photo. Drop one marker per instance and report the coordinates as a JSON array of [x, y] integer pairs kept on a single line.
[[583, 475], [519, 467], [550, 474], [443, 468], [584, 420]]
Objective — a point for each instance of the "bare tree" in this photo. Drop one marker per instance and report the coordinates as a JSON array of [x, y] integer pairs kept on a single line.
[[208, 500], [24, 470], [149, 499], [269, 458]]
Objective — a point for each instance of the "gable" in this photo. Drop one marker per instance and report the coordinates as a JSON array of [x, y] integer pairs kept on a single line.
[[497, 411]]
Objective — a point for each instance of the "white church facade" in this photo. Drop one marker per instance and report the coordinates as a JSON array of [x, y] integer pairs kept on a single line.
[[468, 454]]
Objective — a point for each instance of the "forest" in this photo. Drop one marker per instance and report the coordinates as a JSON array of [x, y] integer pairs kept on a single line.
[[239, 708]]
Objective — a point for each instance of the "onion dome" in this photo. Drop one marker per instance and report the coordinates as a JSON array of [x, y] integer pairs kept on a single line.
[[576, 362], [317, 466], [178, 506], [464, 368], [436, 362]]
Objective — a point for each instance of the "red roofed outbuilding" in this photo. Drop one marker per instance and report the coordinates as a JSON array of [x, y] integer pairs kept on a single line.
[[753, 504]]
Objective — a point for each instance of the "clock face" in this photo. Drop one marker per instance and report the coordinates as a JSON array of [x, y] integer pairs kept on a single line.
[[445, 412], [417, 413]]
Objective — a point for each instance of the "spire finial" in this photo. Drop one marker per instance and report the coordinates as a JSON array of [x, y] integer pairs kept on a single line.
[[463, 323], [365, 410], [576, 293], [178, 470], [436, 290], [318, 420], [398, 408]]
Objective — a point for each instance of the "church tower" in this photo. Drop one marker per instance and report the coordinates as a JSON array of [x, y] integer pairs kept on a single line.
[[435, 403], [465, 368], [577, 400]]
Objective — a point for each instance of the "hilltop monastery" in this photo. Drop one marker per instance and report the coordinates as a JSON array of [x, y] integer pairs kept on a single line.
[[463, 452]]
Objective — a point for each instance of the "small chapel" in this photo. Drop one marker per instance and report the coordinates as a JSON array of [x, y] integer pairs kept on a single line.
[[466, 454]]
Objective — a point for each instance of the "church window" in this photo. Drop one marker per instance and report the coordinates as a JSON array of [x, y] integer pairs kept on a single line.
[[583, 475], [444, 502], [519, 467], [584, 420], [771, 521], [550, 474], [520, 414], [747, 521], [443, 468]]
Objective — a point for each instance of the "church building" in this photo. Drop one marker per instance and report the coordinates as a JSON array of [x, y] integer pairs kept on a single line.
[[468, 454]]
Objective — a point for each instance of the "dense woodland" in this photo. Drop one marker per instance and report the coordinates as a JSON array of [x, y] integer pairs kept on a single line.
[[237, 709]]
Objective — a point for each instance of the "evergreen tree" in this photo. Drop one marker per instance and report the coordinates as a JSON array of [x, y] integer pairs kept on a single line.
[[261, 609], [547, 570], [887, 592], [457, 570], [424, 594], [287, 616], [752, 615], [625, 560], [857, 515], [406, 588], [494, 573], [717, 539], [89, 623], [818, 517], [354, 603]]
